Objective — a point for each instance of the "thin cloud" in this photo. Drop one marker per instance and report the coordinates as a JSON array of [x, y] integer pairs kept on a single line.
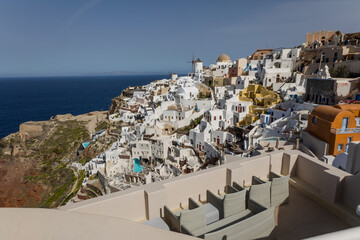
[[72, 19]]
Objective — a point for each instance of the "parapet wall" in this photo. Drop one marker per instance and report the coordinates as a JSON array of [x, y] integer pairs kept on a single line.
[[315, 145], [330, 184]]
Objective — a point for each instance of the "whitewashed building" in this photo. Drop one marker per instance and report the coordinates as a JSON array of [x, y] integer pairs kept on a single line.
[[141, 149]]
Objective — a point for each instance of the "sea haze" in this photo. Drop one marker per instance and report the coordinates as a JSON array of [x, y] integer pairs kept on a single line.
[[36, 99]]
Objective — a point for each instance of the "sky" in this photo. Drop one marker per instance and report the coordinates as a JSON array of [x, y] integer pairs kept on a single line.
[[82, 37]]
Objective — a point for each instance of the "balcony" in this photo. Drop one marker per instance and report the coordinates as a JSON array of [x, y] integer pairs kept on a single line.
[[344, 130]]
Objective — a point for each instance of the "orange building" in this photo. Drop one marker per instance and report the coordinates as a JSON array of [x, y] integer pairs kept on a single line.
[[260, 54], [336, 125]]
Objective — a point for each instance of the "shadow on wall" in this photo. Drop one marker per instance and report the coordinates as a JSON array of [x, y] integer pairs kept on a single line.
[[347, 195]]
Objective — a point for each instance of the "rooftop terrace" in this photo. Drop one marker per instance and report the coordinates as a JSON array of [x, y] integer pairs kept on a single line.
[[322, 200], [302, 218]]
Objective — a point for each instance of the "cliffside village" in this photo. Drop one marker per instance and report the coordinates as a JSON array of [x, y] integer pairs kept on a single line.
[[306, 98]]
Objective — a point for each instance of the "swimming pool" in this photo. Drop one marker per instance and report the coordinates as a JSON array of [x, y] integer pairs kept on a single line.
[[137, 167], [85, 144]]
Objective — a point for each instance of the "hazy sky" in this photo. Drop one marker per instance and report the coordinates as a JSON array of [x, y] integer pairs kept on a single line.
[[70, 37]]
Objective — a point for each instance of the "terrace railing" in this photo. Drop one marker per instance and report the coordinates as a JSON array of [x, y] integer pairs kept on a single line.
[[344, 130]]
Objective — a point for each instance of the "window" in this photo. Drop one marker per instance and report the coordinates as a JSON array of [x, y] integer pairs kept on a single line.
[[314, 120], [344, 124], [340, 147], [357, 120], [215, 118], [220, 117]]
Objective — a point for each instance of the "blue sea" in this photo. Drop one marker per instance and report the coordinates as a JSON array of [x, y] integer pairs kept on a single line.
[[39, 98]]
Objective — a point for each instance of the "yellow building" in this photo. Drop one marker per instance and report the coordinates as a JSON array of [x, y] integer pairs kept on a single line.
[[262, 99]]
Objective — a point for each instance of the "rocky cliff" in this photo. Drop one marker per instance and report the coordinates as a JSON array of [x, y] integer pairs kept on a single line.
[[116, 103], [34, 162]]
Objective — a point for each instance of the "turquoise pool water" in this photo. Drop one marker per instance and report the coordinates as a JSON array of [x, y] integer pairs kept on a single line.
[[85, 144], [137, 167]]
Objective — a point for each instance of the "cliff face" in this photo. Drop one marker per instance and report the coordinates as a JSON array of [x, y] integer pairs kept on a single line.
[[33, 162], [115, 104]]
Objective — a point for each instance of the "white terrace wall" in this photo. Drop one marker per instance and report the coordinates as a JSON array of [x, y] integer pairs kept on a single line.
[[128, 204], [323, 179], [37, 223], [248, 167], [350, 194], [315, 145], [145, 202], [283, 162], [195, 185], [335, 188]]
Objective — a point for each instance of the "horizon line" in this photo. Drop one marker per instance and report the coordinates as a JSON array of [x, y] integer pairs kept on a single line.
[[90, 75]]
